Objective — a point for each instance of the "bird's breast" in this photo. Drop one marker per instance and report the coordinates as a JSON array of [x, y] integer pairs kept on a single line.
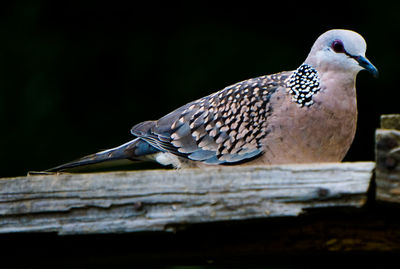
[[322, 132]]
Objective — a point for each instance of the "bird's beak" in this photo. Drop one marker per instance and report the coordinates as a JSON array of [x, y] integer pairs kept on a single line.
[[367, 65]]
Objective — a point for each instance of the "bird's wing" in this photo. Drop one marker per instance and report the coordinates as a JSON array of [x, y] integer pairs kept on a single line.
[[225, 127]]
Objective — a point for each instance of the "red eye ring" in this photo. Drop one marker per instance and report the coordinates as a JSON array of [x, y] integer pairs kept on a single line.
[[337, 46]]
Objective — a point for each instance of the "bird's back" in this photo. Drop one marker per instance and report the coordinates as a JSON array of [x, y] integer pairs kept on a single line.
[[226, 127]]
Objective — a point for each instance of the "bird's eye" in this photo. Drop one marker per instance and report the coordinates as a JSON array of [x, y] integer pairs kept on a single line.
[[337, 46]]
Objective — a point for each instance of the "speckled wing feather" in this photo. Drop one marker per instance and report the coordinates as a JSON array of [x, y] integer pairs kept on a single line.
[[225, 127]]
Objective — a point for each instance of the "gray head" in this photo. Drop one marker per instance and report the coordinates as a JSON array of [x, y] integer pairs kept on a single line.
[[342, 51]]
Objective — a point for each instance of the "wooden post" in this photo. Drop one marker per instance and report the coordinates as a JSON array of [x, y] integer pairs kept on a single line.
[[387, 154]]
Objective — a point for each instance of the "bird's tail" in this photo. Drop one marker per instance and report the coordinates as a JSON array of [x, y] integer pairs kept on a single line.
[[118, 153]]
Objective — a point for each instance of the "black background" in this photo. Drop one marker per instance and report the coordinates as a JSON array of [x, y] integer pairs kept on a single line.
[[76, 76]]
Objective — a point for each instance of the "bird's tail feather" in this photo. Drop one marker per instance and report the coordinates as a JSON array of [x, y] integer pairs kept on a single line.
[[117, 153]]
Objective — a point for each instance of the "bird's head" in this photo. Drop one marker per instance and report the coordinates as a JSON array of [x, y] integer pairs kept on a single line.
[[342, 51]]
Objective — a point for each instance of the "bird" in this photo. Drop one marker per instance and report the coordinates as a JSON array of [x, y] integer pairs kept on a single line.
[[305, 115]]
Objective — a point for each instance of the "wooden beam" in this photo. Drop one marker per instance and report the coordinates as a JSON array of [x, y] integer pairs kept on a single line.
[[387, 154], [159, 200]]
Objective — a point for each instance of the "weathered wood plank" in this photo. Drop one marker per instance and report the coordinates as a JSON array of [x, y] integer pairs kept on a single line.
[[157, 200]]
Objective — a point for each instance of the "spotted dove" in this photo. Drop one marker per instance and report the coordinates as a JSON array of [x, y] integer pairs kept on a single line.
[[301, 116]]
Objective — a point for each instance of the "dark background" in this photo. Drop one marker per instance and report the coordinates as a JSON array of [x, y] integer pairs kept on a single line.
[[76, 76]]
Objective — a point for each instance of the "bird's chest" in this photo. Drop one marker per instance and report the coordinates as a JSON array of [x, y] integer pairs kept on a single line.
[[331, 126], [321, 132]]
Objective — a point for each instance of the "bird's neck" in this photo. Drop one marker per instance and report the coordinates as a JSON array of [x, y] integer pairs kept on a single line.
[[336, 79], [334, 88]]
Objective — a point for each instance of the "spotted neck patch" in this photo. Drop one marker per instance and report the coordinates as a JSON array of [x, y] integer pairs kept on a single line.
[[304, 83]]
